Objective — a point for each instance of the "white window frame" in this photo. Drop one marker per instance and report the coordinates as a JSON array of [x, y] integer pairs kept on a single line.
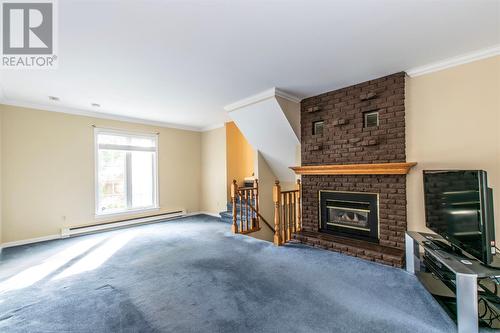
[[156, 194]]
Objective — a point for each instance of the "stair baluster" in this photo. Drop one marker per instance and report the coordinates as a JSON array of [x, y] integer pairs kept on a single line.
[[240, 197], [256, 198], [250, 193], [234, 191], [277, 209], [287, 213], [245, 217], [247, 225], [298, 207]]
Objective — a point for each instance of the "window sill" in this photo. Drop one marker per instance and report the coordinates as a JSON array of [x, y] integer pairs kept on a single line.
[[127, 212]]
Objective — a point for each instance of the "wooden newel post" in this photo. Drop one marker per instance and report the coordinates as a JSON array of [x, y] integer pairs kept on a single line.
[[277, 205], [298, 206], [256, 198], [234, 191]]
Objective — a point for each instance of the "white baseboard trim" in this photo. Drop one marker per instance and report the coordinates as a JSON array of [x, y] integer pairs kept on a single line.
[[30, 241], [74, 231], [202, 213], [64, 235], [209, 213], [65, 231]]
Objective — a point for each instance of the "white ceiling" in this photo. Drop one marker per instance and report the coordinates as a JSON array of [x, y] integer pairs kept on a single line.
[[180, 62]]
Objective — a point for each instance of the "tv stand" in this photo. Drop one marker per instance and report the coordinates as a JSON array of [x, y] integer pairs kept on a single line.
[[428, 256]]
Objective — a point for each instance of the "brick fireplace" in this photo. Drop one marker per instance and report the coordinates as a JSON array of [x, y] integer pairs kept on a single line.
[[360, 124]]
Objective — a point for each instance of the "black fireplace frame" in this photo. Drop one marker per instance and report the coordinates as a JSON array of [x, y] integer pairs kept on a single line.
[[373, 221]]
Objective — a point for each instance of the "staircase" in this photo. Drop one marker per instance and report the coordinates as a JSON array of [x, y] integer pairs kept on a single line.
[[227, 216], [243, 211]]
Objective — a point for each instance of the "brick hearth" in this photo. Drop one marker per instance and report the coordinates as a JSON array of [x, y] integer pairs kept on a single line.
[[345, 140]]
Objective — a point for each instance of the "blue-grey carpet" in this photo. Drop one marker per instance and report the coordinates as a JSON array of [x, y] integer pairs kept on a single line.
[[193, 275]]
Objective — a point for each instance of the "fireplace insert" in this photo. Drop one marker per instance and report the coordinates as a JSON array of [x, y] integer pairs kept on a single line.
[[349, 214]]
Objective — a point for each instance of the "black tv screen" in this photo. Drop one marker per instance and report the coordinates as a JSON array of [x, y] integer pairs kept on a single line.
[[458, 207]]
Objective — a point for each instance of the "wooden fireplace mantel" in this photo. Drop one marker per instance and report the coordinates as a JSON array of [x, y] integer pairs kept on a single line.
[[355, 169]]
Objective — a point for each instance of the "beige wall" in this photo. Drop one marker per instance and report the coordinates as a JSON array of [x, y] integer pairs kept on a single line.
[[266, 205], [48, 170], [267, 179], [292, 113], [240, 156], [213, 171], [47, 158], [1, 117], [453, 122]]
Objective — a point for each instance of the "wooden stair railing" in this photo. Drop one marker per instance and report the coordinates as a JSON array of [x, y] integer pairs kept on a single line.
[[249, 216], [261, 218], [287, 213]]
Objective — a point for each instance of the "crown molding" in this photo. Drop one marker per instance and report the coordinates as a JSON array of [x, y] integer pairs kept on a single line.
[[211, 127], [93, 114], [287, 96], [455, 61], [262, 96]]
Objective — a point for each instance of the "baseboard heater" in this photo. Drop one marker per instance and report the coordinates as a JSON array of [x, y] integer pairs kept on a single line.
[[68, 232]]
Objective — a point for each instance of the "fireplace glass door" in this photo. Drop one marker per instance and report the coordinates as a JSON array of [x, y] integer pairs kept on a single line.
[[349, 214]]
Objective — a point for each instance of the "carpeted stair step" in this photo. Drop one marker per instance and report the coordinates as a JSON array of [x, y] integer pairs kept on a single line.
[[227, 216], [229, 205], [243, 210]]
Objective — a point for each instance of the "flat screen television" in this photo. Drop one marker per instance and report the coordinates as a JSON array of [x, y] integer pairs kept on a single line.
[[459, 207]]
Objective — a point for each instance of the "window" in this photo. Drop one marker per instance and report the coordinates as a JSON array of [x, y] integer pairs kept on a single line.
[[126, 171], [371, 119], [318, 127]]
